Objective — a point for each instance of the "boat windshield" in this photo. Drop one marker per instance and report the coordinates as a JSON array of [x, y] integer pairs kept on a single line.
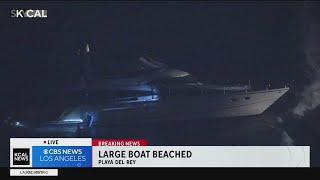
[[123, 66]]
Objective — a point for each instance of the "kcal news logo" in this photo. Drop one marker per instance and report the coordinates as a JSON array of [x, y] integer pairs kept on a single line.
[[30, 13], [21, 156]]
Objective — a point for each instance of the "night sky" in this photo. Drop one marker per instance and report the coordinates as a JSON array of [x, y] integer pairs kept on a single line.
[[217, 42]]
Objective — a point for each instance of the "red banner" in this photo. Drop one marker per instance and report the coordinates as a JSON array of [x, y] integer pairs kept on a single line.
[[119, 142]]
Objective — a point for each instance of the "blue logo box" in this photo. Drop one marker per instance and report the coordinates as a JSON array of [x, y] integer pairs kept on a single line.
[[62, 156]]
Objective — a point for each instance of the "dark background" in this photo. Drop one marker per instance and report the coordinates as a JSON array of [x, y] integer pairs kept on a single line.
[[222, 42]]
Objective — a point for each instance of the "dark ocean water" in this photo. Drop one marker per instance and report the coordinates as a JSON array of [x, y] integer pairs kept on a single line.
[[268, 129], [261, 130]]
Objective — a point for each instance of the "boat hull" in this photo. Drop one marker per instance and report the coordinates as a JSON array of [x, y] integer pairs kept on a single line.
[[194, 107], [168, 109]]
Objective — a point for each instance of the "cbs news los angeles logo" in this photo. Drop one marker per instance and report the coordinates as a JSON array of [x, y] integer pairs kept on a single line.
[[30, 13]]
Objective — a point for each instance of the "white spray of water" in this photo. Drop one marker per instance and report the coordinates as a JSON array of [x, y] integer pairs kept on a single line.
[[286, 140], [310, 97]]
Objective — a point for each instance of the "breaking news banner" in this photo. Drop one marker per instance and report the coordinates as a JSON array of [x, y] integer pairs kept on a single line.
[[44, 156]]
